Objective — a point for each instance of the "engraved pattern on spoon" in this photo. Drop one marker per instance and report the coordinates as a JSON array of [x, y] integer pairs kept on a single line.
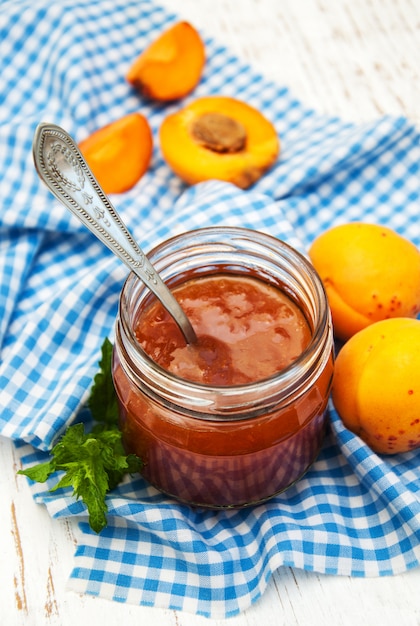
[[56, 153]]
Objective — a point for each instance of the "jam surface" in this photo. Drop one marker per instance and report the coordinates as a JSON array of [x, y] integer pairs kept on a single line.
[[247, 330]]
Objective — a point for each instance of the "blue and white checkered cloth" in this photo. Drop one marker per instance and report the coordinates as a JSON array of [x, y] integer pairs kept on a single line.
[[354, 513]]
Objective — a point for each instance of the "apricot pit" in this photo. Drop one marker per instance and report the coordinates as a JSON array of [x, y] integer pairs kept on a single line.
[[171, 66], [218, 137], [219, 132]]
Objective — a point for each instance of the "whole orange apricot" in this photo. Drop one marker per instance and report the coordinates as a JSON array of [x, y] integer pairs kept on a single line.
[[221, 138], [370, 273], [376, 385], [171, 66], [120, 152]]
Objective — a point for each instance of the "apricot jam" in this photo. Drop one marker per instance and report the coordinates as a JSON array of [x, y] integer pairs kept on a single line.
[[239, 416], [246, 330]]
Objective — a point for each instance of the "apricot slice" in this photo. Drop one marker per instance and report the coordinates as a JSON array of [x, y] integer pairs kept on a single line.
[[119, 153], [376, 385], [171, 66], [218, 137], [370, 273]]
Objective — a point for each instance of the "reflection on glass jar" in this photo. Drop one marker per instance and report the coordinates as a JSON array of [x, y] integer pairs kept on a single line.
[[240, 416]]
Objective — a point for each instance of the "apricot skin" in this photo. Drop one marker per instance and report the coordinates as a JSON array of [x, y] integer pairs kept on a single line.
[[171, 66], [376, 385], [119, 153], [195, 163], [370, 273]]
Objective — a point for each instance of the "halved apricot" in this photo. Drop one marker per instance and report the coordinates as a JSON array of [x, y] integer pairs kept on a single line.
[[218, 137], [171, 66], [120, 152]]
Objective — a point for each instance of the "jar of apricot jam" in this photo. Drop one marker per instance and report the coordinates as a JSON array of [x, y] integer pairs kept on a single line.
[[239, 416]]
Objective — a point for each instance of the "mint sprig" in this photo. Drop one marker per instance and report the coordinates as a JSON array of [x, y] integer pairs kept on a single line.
[[93, 462]]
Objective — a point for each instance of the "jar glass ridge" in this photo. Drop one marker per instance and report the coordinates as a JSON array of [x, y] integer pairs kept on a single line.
[[256, 438]]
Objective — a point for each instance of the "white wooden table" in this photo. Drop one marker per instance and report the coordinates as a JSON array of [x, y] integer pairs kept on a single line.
[[357, 59]]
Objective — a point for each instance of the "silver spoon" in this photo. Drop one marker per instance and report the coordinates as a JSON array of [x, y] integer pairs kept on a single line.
[[64, 170]]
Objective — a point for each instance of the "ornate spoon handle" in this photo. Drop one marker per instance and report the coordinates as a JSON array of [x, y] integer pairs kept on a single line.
[[64, 170]]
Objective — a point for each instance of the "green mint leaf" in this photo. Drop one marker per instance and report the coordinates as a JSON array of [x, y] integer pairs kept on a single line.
[[114, 457], [66, 449], [92, 463], [89, 479], [39, 473], [103, 399], [98, 510]]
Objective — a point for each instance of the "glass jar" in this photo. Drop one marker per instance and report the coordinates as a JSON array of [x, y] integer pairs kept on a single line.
[[225, 446]]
